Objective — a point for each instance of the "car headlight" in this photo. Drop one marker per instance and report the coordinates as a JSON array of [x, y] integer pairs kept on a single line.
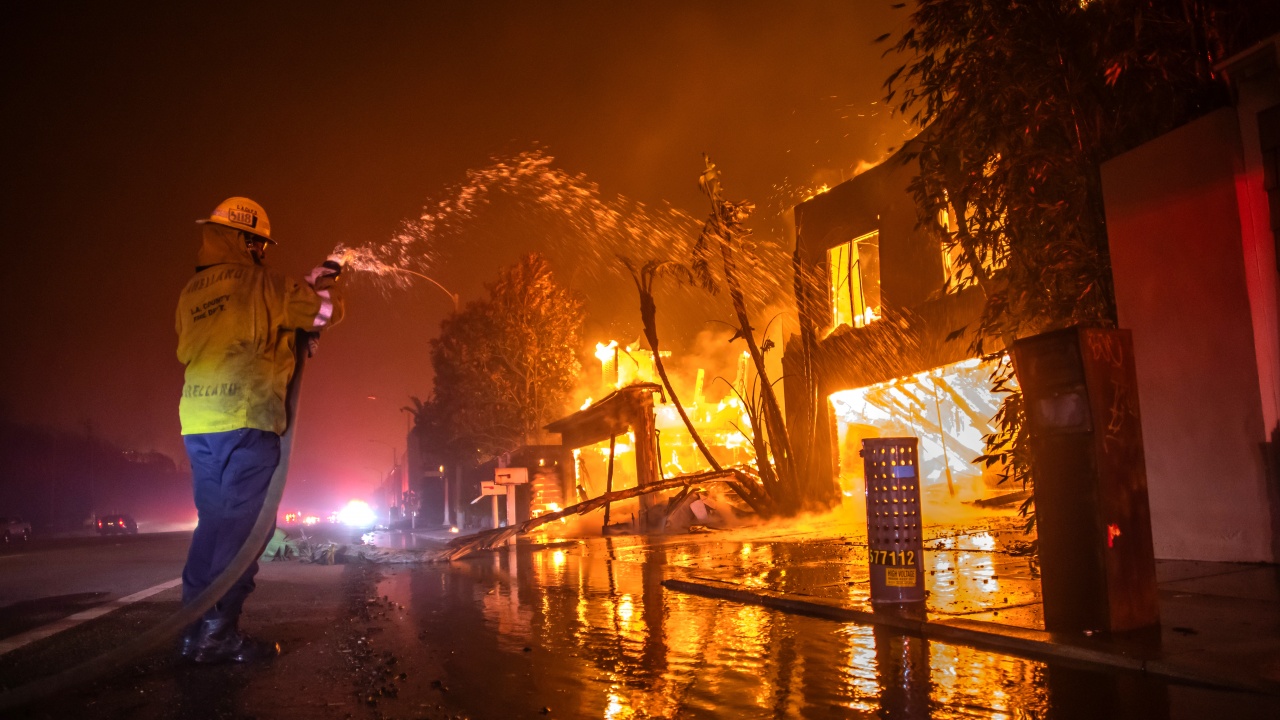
[[357, 513]]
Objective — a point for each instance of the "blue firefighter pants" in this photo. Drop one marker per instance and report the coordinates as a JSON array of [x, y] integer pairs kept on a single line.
[[230, 472]]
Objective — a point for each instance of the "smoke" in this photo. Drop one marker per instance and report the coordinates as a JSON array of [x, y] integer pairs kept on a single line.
[[715, 356], [150, 526]]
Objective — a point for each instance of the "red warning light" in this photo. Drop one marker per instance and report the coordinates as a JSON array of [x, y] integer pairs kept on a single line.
[[1113, 532]]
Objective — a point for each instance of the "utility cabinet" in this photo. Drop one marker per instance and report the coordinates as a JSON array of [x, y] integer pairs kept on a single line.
[[1081, 400], [895, 531]]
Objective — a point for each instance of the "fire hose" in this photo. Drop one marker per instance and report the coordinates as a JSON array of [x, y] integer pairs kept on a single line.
[[167, 629]]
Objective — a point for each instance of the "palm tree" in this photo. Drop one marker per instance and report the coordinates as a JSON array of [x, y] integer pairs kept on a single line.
[[644, 277], [724, 232]]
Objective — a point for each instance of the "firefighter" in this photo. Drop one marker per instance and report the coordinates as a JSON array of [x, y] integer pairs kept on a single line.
[[236, 323]]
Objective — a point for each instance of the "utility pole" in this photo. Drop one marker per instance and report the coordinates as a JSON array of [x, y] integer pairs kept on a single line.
[[392, 496]]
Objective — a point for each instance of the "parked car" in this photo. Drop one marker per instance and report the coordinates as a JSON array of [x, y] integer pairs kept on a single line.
[[117, 525], [12, 528]]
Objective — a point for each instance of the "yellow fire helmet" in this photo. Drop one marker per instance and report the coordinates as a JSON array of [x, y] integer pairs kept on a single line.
[[244, 214]]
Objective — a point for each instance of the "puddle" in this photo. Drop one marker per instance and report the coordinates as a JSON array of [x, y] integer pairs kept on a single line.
[[587, 631]]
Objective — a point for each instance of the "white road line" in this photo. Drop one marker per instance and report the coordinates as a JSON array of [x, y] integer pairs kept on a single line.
[[10, 644]]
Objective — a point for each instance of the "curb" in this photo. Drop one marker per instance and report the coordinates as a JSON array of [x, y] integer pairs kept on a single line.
[[1022, 642]]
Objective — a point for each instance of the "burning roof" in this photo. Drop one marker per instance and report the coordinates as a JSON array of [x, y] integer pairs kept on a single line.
[[612, 415]]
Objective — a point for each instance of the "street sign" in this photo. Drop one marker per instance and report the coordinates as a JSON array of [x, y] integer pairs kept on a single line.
[[511, 476]]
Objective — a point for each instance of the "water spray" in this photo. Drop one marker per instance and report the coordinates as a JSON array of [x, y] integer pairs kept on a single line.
[[364, 260]]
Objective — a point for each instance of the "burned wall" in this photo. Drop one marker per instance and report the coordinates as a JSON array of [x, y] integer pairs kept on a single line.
[[910, 263], [921, 326], [918, 327]]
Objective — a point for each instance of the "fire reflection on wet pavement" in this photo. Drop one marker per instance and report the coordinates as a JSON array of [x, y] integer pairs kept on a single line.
[[587, 630]]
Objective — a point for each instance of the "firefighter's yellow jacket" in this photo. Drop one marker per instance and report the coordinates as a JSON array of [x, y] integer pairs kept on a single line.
[[236, 323]]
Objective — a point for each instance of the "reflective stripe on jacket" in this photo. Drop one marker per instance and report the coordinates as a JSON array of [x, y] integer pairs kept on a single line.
[[236, 323]]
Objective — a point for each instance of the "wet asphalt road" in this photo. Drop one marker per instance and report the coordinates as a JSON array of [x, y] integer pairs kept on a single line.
[[579, 630], [586, 630], [48, 578]]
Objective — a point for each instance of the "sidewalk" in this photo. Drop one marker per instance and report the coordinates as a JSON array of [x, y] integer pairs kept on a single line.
[[1220, 622]]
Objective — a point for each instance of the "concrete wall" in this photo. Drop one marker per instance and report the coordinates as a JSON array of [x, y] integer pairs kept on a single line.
[[1255, 75], [1175, 235]]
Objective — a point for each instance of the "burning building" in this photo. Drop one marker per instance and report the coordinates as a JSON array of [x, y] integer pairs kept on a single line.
[[628, 433], [634, 435], [890, 355], [1192, 229]]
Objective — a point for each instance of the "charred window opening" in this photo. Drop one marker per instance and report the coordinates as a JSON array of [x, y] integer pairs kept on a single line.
[[854, 269], [957, 272]]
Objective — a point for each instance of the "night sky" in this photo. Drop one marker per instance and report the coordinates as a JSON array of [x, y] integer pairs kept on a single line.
[[124, 122]]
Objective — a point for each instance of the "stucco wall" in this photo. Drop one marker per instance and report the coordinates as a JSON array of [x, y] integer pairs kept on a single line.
[[1175, 236], [910, 261], [918, 318]]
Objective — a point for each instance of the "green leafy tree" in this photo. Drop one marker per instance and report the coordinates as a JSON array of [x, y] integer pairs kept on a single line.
[[1021, 103], [506, 366]]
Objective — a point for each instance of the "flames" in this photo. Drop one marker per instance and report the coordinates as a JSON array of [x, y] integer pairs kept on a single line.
[[723, 422], [605, 353], [950, 409], [815, 192], [868, 316], [623, 365]]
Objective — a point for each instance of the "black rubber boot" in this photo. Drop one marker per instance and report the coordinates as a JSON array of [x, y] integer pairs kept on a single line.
[[190, 636], [219, 640]]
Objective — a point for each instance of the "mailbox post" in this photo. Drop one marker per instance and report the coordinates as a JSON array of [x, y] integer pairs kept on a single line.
[[491, 489], [507, 479]]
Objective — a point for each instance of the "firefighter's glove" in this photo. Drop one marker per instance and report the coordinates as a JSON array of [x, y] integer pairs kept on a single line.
[[313, 343], [324, 275]]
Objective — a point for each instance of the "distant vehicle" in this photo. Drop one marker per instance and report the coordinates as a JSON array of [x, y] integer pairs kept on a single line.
[[15, 529], [117, 525]]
